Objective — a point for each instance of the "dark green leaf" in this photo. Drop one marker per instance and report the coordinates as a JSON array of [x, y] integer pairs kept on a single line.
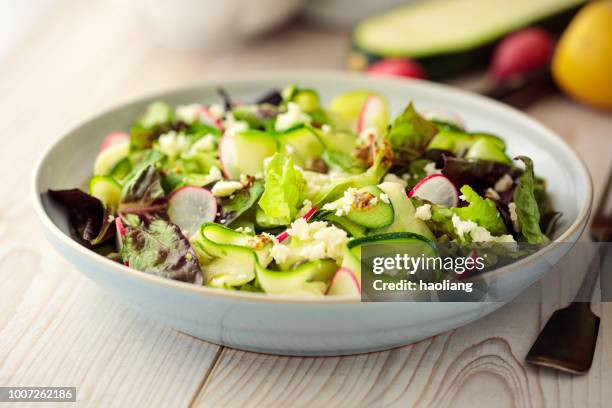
[[410, 134], [241, 201]]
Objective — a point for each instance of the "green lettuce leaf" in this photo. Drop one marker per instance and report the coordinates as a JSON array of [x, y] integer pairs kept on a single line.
[[482, 211], [283, 189], [143, 192], [527, 210], [410, 134]]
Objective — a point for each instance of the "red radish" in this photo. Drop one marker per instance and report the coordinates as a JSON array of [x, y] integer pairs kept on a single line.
[[436, 189], [191, 206], [208, 117], [402, 67], [522, 52], [284, 235], [120, 228], [344, 282], [228, 157], [114, 138], [444, 116], [373, 114]]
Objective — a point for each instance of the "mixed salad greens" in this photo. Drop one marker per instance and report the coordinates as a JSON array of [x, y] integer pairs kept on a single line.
[[278, 195]]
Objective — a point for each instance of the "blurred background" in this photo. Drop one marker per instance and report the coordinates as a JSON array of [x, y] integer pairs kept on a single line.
[[68, 59]]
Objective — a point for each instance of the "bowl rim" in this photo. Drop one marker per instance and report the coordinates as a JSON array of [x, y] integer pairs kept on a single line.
[[290, 75]]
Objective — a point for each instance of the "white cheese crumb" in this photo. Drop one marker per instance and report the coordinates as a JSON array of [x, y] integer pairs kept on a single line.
[[233, 126], [514, 216], [423, 212], [492, 194], [384, 198], [226, 188], [214, 174], [293, 116], [365, 134], [306, 206], [204, 144], [188, 113], [478, 233], [172, 144], [430, 169], [326, 128], [503, 184], [216, 110], [343, 205], [394, 179]]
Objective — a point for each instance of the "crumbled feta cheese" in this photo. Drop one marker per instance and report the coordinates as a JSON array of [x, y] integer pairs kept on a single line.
[[343, 205], [214, 174], [172, 144], [503, 184], [216, 110], [204, 144], [293, 116], [423, 212], [280, 253], [233, 126], [478, 233], [430, 169], [492, 194], [514, 216], [246, 230], [226, 188], [384, 198], [394, 179], [316, 240], [326, 128], [188, 113]]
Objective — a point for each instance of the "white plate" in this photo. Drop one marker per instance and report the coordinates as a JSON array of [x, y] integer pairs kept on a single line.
[[334, 325]]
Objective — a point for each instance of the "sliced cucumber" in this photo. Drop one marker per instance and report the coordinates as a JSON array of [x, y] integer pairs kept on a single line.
[[236, 267], [486, 149], [245, 152], [303, 144], [105, 189], [108, 158], [355, 230], [307, 100], [404, 220], [218, 241], [279, 282], [347, 106], [121, 169], [459, 142], [363, 212]]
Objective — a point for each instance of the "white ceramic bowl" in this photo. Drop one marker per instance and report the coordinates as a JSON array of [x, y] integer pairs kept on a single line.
[[334, 325], [207, 24]]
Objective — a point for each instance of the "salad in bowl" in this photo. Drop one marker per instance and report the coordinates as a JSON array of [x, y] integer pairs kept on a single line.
[[278, 194]]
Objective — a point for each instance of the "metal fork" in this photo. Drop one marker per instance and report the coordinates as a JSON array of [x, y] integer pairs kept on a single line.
[[568, 340]]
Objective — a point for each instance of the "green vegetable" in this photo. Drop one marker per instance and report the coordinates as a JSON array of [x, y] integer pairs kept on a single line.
[[150, 125], [283, 190], [446, 38], [143, 192], [156, 246], [410, 134], [527, 210], [241, 202], [482, 211], [105, 189]]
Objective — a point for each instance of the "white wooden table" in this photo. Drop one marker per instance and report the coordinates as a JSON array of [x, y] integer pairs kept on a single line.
[[57, 328]]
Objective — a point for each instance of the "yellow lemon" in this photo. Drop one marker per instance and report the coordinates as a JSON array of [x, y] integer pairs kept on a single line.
[[582, 65]]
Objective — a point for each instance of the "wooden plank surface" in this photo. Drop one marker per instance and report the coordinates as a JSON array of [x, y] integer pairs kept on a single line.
[[57, 328]]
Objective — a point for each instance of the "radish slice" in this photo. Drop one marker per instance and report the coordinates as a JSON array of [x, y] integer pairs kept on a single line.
[[228, 157], [206, 116], [344, 282], [120, 228], [114, 138], [373, 114], [284, 235], [436, 189], [444, 116], [190, 206]]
